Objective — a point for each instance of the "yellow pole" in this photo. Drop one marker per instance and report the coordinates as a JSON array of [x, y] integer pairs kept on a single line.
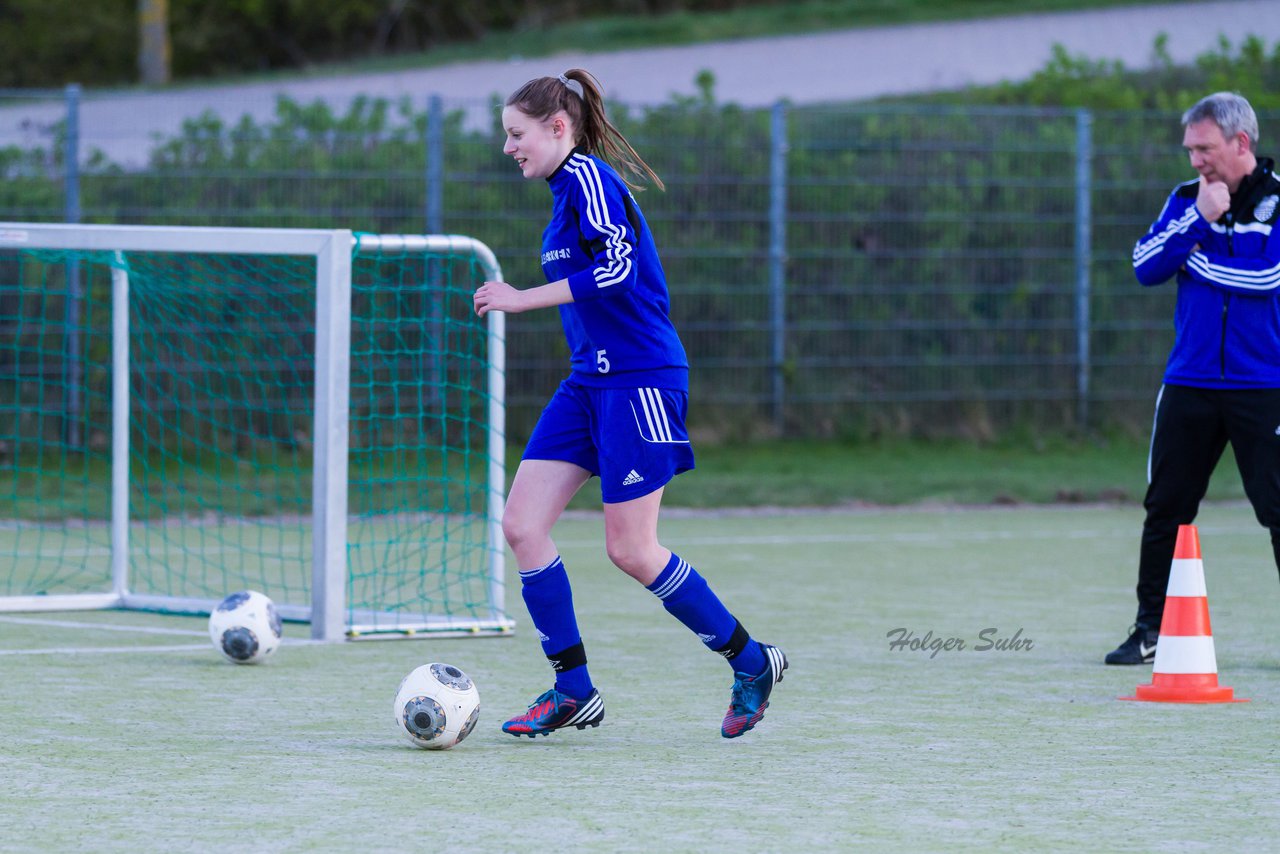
[[153, 41]]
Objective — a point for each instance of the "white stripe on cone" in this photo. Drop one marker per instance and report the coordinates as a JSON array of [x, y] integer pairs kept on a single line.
[[1176, 654], [1186, 578]]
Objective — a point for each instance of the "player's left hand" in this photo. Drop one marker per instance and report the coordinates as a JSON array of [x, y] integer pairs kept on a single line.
[[496, 296]]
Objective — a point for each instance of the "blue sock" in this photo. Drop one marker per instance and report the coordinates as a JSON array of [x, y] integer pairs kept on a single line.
[[687, 597], [549, 599]]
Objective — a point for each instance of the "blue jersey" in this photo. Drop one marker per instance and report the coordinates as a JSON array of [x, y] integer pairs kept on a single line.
[[618, 327], [1228, 313]]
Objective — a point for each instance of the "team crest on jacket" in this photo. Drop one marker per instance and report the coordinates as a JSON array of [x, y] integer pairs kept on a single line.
[[1266, 208]]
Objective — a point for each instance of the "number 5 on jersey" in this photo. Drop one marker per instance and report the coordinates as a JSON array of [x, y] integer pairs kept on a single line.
[[602, 362]]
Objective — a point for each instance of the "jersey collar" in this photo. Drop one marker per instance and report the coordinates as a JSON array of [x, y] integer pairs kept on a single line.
[[560, 169]]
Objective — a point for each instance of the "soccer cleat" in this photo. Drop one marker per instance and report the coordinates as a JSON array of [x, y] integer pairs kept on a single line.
[[750, 695], [1139, 648], [553, 711]]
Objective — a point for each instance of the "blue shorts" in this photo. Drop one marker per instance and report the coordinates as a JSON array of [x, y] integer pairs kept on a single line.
[[635, 439]]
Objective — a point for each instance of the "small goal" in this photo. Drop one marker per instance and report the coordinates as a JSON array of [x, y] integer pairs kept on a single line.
[[315, 414]]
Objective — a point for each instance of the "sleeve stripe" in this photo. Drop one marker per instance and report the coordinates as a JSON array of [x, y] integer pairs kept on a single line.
[[617, 248], [1257, 280], [1145, 250]]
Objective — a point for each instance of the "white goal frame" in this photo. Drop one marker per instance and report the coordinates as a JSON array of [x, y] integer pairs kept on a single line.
[[332, 251]]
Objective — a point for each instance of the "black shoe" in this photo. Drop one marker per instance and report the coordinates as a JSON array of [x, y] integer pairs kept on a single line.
[[1140, 648]]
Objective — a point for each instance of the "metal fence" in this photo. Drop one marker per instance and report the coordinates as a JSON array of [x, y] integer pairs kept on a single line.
[[841, 270]]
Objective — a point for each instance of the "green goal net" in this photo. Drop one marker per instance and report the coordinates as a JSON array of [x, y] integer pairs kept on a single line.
[[314, 414]]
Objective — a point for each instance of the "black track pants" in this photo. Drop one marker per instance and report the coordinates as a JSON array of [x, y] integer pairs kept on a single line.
[[1192, 428]]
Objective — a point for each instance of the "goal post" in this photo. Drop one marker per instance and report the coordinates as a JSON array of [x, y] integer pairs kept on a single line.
[[316, 414]]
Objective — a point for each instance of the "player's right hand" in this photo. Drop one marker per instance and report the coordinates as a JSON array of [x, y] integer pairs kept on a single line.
[[496, 296], [1213, 200]]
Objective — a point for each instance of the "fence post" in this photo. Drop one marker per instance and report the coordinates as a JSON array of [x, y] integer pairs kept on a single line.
[[71, 155], [435, 166], [1083, 256], [778, 258], [73, 371], [433, 356]]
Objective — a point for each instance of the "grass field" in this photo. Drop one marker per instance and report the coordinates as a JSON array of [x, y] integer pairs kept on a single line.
[[128, 732], [782, 473]]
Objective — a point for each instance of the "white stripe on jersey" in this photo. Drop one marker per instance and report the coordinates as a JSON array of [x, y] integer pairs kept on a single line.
[[1260, 227], [1238, 228], [1254, 280], [1146, 249], [617, 248]]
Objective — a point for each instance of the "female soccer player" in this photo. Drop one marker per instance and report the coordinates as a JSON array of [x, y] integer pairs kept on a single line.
[[620, 414]]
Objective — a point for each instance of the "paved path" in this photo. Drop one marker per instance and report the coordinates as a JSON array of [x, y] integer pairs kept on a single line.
[[856, 64], [806, 69]]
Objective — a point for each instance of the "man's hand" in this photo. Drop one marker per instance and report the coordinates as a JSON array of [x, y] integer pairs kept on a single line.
[[1213, 200]]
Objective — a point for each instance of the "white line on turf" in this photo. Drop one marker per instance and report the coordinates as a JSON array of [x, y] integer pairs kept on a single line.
[[106, 627], [286, 552], [926, 537], [877, 537], [82, 650]]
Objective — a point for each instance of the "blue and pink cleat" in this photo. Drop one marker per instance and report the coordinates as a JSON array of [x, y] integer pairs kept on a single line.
[[750, 695], [553, 711]]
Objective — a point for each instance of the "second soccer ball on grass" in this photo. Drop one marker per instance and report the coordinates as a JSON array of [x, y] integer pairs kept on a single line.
[[246, 627]]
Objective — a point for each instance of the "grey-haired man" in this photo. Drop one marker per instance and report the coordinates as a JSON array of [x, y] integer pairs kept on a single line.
[[1222, 380]]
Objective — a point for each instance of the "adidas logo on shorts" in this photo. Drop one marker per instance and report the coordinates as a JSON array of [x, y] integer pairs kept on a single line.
[[634, 477]]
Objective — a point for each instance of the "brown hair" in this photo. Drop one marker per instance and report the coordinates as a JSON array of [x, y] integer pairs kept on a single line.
[[577, 92]]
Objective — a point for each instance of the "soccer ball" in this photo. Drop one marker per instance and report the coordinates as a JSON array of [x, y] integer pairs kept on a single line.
[[245, 627], [437, 706]]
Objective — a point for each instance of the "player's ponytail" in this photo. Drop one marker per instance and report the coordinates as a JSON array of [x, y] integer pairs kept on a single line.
[[577, 92]]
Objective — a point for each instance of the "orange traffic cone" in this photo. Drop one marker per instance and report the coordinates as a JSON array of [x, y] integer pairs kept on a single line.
[[1186, 667]]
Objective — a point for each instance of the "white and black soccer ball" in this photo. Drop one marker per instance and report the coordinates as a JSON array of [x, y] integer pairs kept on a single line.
[[437, 706], [246, 627]]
